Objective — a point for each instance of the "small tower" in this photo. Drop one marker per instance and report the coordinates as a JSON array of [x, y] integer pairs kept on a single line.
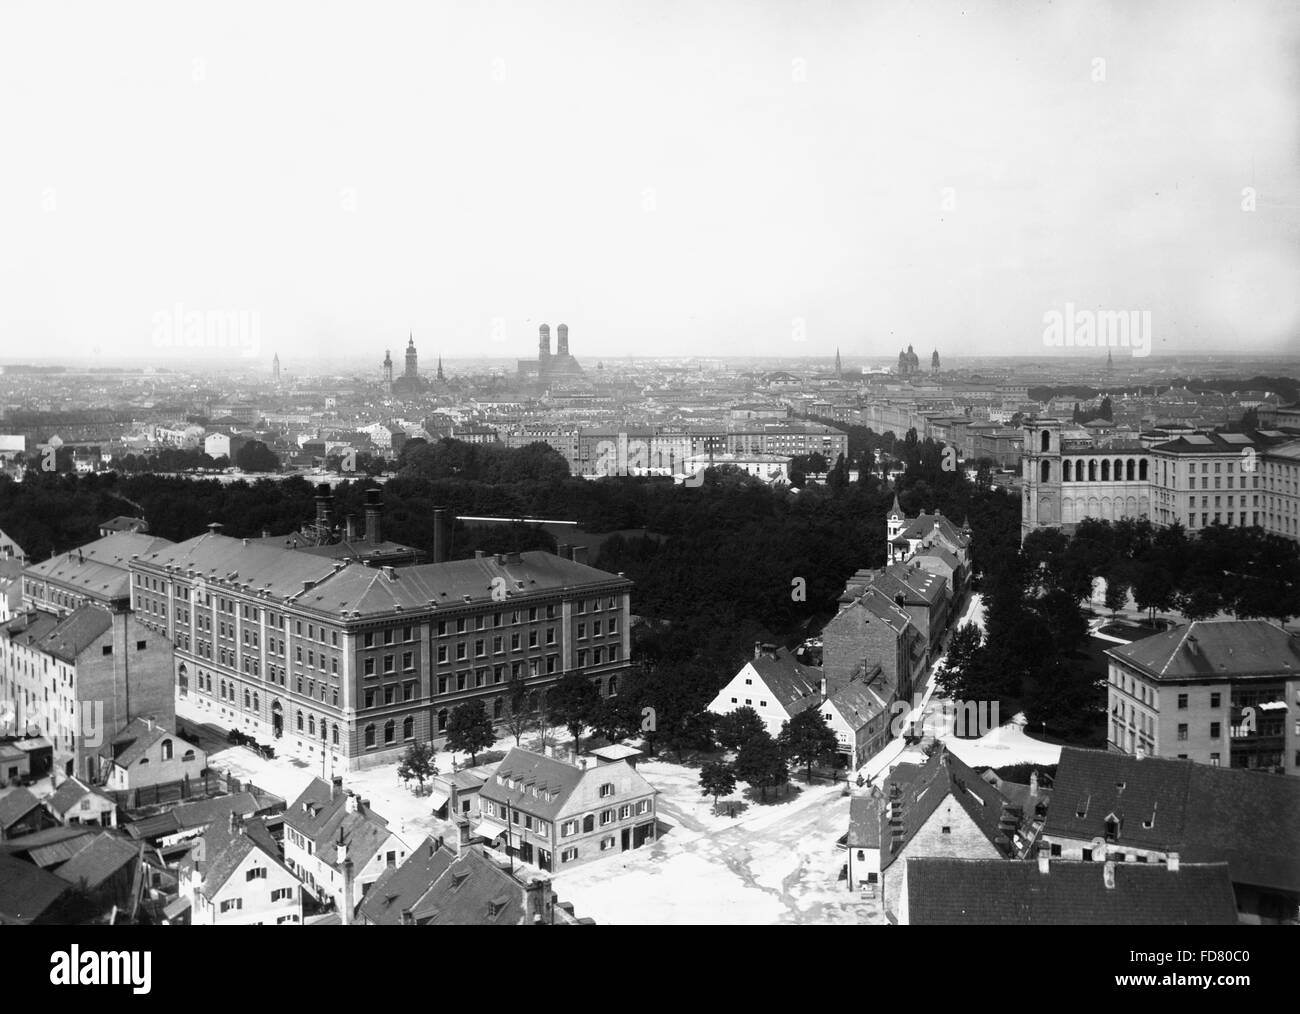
[[412, 368], [441, 379], [839, 368], [895, 521], [388, 369], [562, 340], [275, 368], [544, 344], [1041, 475], [934, 361]]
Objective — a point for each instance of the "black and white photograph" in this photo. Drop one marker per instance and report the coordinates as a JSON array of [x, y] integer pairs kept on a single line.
[[651, 463]]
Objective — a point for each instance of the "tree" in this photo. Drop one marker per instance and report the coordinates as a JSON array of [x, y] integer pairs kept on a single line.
[[952, 679], [470, 730], [255, 456], [807, 738], [518, 718], [761, 762], [736, 728], [717, 779], [574, 703], [617, 717], [419, 763]]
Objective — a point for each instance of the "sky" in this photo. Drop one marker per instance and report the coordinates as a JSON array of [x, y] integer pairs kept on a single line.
[[675, 177]]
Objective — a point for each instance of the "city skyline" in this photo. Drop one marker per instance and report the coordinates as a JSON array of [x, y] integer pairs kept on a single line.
[[734, 179]]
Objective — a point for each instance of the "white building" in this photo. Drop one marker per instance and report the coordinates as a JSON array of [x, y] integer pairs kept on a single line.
[[774, 684], [234, 877]]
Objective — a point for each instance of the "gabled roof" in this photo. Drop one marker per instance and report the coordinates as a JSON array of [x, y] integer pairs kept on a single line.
[[1013, 892], [1216, 648], [857, 703], [224, 848], [70, 793], [76, 632], [129, 745], [16, 805], [402, 887], [554, 781], [100, 858], [795, 685], [98, 568], [1249, 819], [922, 790], [864, 822], [321, 814]]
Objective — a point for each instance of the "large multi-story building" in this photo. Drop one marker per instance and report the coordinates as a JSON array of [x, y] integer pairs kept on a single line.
[[95, 573], [346, 664], [1221, 692], [1195, 479]]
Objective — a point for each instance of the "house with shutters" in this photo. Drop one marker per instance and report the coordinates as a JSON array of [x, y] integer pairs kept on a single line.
[[337, 845], [555, 814], [234, 876], [939, 808]]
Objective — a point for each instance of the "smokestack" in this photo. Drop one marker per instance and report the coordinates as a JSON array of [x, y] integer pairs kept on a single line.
[[440, 535], [562, 340], [337, 787], [374, 515], [1033, 784], [351, 527], [324, 507], [578, 554], [544, 342], [345, 865]]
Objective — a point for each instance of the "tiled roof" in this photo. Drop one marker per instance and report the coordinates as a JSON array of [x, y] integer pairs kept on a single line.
[[224, 848], [283, 572], [922, 791], [76, 632], [99, 568], [472, 892], [130, 744], [864, 822], [1002, 892], [15, 805], [29, 628], [321, 814], [1215, 648], [1249, 819], [402, 887], [69, 794], [26, 891], [858, 703], [100, 858], [789, 680], [556, 778]]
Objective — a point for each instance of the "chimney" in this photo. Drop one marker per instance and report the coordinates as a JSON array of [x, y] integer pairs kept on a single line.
[[478, 554], [214, 527], [324, 507], [408, 918], [514, 559], [535, 898], [266, 533], [351, 528], [345, 913], [579, 554], [564, 551], [1033, 784], [340, 849], [1108, 875], [374, 515], [337, 787], [1139, 752], [1044, 857], [440, 535], [350, 805], [1172, 860], [758, 649]]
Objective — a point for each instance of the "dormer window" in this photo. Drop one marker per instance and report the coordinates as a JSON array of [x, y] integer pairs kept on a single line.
[[1112, 827]]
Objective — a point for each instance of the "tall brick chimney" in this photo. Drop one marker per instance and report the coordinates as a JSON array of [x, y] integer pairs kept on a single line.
[[374, 516]]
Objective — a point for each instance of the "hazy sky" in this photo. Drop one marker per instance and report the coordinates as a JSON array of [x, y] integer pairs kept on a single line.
[[727, 178]]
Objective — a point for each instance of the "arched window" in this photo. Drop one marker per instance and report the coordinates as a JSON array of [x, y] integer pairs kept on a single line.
[[256, 704], [588, 823], [1047, 440], [532, 701], [1047, 471], [1142, 469], [442, 720], [408, 728], [334, 735], [1092, 469], [613, 686], [390, 730], [183, 680], [370, 735], [300, 721], [1119, 470], [1130, 469], [188, 755], [311, 724], [1065, 470], [497, 706], [166, 748], [1105, 470], [247, 699]]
